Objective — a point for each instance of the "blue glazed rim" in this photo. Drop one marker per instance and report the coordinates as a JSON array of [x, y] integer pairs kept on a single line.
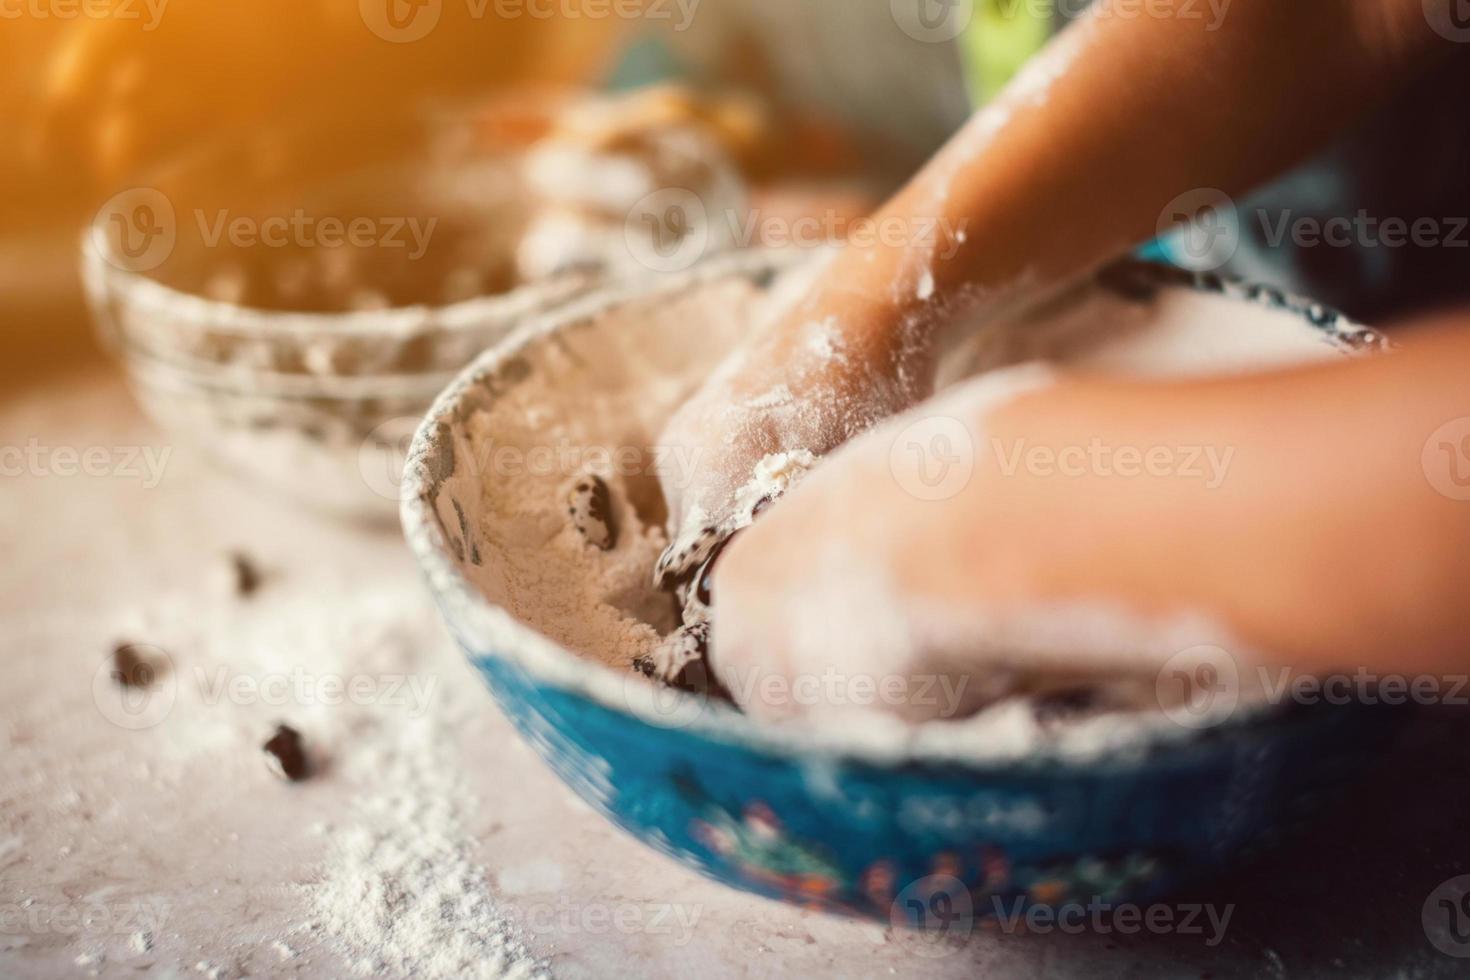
[[492, 633]]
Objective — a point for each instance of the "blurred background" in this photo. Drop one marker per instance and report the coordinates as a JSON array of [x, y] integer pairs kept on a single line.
[[856, 92], [100, 96]]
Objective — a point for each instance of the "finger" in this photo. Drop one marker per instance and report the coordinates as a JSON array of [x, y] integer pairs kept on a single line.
[[748, 646]]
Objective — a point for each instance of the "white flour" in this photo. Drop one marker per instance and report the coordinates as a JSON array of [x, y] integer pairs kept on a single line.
[[401, 888], [774, 476], [399, 892]]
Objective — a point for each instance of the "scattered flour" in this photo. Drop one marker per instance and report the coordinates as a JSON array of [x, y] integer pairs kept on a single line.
[[824, 340], [399, 891], [776, 397], [925, 292], [775, 474], [401, 888]]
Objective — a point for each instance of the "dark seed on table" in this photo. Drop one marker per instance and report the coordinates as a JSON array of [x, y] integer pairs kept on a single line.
[[285, 755], [247, 576], [590, 506], [130, 668]]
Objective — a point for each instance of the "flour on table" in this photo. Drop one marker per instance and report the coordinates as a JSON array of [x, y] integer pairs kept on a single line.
[[399, 891], [401, 888]]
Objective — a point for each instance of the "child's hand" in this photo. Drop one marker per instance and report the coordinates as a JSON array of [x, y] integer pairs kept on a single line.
[[836, 595], [1011, 208], [993, 538], [802, 389]]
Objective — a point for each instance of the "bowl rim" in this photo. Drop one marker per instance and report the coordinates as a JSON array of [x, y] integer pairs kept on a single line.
[[881, 742], [111, 283], [226, 380], [103, 276]]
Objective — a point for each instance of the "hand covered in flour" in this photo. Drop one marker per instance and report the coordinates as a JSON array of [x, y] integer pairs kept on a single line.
[[862, 566], [841, 585], [769, 412], [1027, 532]]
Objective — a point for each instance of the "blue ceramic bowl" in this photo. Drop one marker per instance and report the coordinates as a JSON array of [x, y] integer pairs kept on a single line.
[[862, 827]]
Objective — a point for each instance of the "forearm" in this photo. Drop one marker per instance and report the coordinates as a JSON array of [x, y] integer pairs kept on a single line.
[[1077, 160], [1071, 166], [1298, 508]]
